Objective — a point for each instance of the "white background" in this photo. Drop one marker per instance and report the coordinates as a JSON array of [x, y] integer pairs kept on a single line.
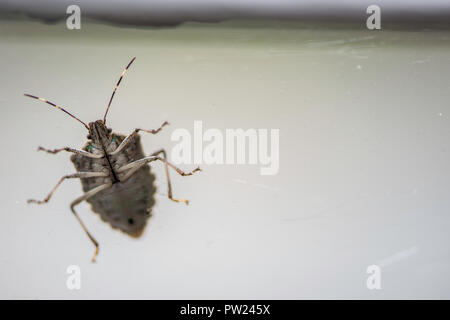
[[364, 161]]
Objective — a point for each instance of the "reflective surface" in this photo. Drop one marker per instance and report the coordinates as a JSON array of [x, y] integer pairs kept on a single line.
[[364, 161]]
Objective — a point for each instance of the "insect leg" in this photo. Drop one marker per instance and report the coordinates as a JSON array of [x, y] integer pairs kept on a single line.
[[80, 152], [86, 196], [69, 176], [153, 131], [169, 184], [136, 165], [129, 138]]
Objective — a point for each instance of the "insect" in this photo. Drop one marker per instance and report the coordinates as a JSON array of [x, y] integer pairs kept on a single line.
[[115, 174]]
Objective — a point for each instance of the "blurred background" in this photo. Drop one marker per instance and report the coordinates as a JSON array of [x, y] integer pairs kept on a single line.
[[364, 153]]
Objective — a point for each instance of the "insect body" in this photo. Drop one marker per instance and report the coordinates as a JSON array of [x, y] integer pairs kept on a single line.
[[115, 175]]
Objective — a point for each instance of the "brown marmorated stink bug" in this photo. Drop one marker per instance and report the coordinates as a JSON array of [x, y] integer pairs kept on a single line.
[[115, 175]]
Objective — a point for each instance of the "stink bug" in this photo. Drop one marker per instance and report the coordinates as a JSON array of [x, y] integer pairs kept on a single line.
[[115, 174]]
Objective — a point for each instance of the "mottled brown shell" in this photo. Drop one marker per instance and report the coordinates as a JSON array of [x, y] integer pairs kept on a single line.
[[125, 206]]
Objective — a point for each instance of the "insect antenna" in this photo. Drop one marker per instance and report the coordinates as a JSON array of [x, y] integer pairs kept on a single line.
[[117, 85], [56, 106]]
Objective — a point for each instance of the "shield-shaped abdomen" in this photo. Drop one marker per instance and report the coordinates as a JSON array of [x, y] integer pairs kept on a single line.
[[125, 205]]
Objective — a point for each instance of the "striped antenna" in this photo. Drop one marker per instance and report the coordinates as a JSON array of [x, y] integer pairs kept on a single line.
[[56, 106], [117, 85]]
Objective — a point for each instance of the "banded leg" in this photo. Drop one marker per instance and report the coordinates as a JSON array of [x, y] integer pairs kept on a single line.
[[69, 176], [80, 152], [136, 165], [130, 137], [86, 196]]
